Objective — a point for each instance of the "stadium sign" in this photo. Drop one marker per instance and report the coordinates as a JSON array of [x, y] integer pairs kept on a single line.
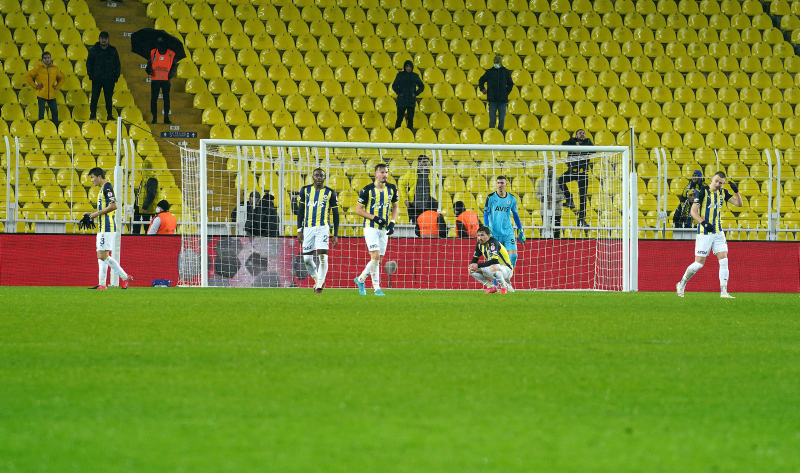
[[179, 134]]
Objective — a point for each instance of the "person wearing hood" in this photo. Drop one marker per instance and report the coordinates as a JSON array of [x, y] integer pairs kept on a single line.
[[263, 221], [144, 206], [162, 67], [46, 78], [496, 83], [681, 218], [163, 223], [407, 85], [103, 68]]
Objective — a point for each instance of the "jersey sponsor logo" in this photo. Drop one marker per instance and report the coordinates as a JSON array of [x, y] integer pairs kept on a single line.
[[502, 209], [319, 203]]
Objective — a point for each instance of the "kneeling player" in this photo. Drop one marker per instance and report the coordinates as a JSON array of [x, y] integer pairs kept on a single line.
[[497, 264]]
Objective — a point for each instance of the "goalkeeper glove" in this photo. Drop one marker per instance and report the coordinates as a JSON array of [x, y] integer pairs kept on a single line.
[[734, 188], [707, 226], [521, 236], [380, 221], [390, 228], [86, 223]]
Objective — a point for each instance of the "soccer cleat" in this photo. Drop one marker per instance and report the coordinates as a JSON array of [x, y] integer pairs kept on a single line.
[[99, 287], [491, 290], [317, 290], [378, 292], [503, 290], [508, 287], [725, 295], [361, 289], [124, 284], [680, 288]]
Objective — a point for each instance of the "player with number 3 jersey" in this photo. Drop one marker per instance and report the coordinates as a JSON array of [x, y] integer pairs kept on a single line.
[[106, 229]]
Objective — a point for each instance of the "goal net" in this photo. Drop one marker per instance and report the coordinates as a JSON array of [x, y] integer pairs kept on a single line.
[[239, 221]]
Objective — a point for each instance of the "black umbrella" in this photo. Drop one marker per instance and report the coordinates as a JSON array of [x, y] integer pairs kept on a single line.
[[146, 40]]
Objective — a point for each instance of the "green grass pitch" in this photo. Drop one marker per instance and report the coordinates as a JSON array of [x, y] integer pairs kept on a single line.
[[441, 381]]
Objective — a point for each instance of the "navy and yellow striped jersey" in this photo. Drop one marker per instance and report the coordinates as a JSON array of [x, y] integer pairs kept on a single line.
[[490, 250], [315, 205], [106, 223], [378, 202], [710, 203]]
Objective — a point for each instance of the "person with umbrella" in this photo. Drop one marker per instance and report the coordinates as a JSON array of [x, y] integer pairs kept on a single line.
[[162, 66]]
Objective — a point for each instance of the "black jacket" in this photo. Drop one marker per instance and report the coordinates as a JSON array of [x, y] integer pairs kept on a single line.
[[576, 164], [261, 219], [407, 85], [103, 64], [499, 84]]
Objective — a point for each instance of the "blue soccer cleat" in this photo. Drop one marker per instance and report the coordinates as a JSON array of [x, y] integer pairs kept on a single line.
[[361, 289], [378, 292]]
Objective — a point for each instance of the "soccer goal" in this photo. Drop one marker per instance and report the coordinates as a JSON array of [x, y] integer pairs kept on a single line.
[[588, 242]]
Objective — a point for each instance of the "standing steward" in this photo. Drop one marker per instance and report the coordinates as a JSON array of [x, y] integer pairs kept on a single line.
[[162, 67]]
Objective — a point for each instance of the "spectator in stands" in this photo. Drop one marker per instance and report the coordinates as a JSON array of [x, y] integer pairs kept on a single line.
[[418, 188], [496, 83], [544, 191], [431, 224], [261, 217], [47, 79], [578, 170], [103, 69], [264, 220], [682, 218], [144, 206], [162, 67], [163, 223], [467, 221], [407, 85]]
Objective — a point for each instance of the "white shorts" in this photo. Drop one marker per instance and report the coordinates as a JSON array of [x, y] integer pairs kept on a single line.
[[376, 239], [715, 243], [507, 273], [316, 238], [105, 241]]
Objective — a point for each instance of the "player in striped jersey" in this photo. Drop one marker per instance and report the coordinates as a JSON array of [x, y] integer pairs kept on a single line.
[[106, 229], [375, 203], [707, 212], [497, 265], [313, 227]]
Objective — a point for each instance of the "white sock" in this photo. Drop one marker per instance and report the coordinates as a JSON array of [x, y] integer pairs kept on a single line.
[[498, 276], [366, 272], [481, 279], [309, 262], [103, 271], [322, 271], [693, 268], [375, 274], [116, 267], [723, 274]]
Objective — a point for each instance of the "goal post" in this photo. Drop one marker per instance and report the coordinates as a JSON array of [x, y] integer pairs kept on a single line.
[[227, 241]]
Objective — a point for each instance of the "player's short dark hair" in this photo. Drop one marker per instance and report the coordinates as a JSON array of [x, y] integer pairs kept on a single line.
[[381, 165], [501, 177], [483, 229], [721, 174], [318, 169], [97, 172]]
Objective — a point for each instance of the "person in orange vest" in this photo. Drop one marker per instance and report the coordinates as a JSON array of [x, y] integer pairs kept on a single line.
[[431, 224], [46, 78], [164, 222], [466, 221], [162, 67]]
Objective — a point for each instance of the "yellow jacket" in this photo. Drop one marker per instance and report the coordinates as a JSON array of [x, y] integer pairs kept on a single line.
[[47, 76]]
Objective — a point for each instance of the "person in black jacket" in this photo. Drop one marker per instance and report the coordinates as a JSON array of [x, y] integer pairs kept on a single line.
[[496, 83], [407, 85], [103, 69], [261, 217], [578, 170]]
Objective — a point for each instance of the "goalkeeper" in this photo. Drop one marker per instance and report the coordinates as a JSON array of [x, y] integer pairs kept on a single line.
[[497, 264], [500, 207]]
